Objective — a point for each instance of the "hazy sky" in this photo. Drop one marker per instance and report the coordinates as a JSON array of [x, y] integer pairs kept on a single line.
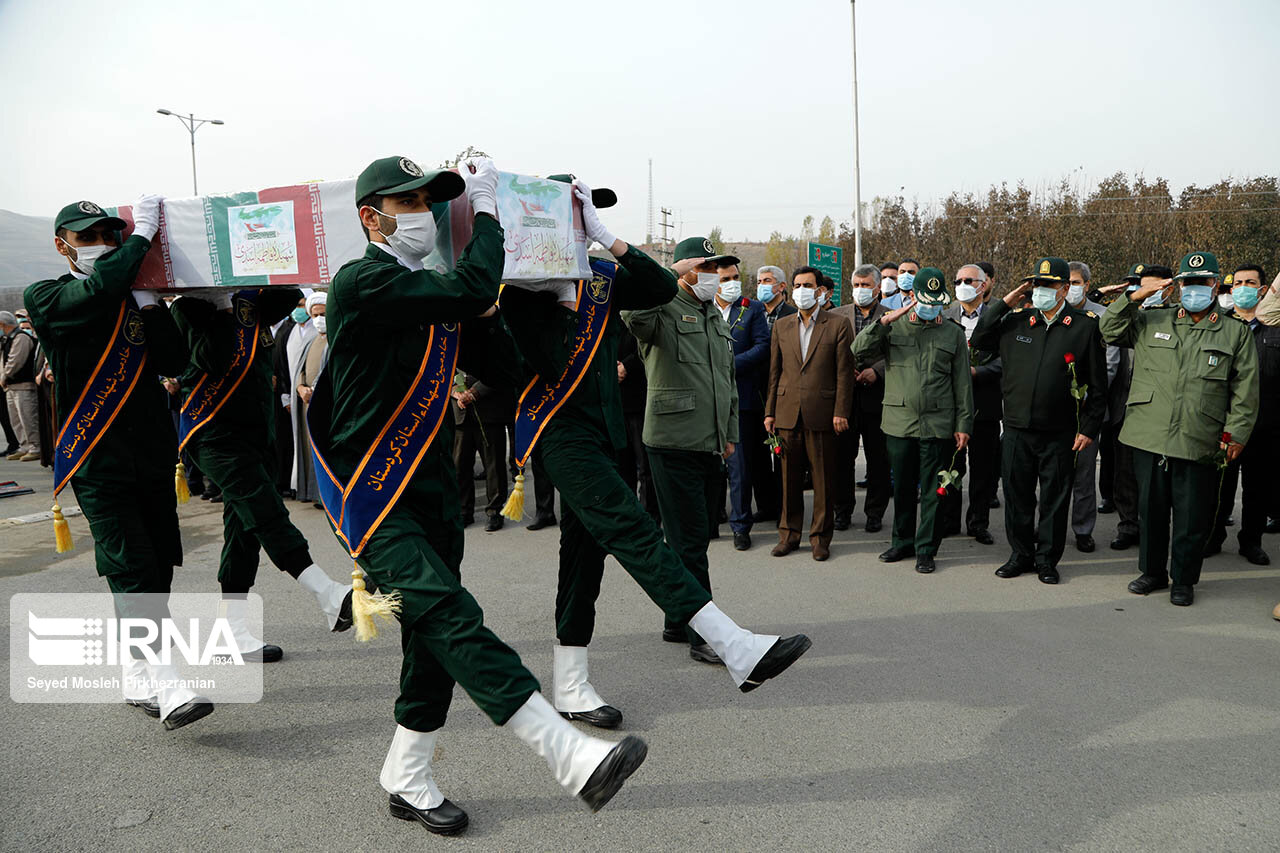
[[744, 105]]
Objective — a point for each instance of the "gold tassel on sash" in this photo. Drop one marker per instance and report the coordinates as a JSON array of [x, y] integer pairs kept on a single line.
[[514, 507], [180, 483], [366, 605], [61, 531]]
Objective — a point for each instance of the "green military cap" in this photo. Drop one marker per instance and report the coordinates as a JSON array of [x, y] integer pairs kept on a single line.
[[931, 287], [603, 197], [80, 215], [392, 175], [1198, 265], [1050, 269], [1134, 273], [700, 247]]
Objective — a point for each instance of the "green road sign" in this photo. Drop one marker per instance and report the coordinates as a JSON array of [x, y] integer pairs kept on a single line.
[[828, 260]]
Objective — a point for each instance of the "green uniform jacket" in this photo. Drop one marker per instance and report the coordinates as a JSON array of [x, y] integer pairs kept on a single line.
[[927, 390], [74, 319], [692, 398], [1191, 381], [1036, 382], [249, 413], [544, 330], [376, 314]]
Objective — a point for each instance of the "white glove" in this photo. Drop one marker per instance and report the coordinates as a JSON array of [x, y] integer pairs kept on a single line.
[[590, 218], [221, 299], [145, 298], [146, 215], [566, 291], [482, 187]]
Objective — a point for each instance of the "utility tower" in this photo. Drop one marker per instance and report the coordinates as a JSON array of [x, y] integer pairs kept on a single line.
[[648, 235], [664, 248]]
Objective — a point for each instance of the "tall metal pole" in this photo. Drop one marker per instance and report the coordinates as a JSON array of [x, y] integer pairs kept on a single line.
[[192, 124], [857, 165], [192, 127]]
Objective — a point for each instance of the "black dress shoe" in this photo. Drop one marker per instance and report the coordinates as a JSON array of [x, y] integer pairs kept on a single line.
[[1145, 584], [893, 555], [541, 522], [190, 712], [861, 484], [762, 517], [1124, 541], [873, 525], [492, 523], [924, 565], [267, 654], [783, 653], [344, 614], [674, 635], [704, 653], [467, 520], [623, 760], [995, 503], [1255, 555], [1182, 595], [215, 499], [1085, 544], [148, 706], [1231, 521], [444, 819], [982, 537], [842, 521], [742, 541], [604, 717], [1012, 568], [1212, 549], [1106, 507], [1047, 574]]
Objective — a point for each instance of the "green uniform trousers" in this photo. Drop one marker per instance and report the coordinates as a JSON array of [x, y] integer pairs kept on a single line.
[[915, 463], [1188, 490], [687, 485], [1046, 458], [442, 631], [600, 514], [254, 517]]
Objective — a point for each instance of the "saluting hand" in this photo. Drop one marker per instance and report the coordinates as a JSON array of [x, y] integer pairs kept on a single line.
[[898, 312], [1146, 290], [1114, 288], [1014, 297]]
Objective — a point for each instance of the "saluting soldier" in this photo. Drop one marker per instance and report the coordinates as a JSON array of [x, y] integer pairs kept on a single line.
[[380, 428], [571, 416], [1054, 382], [691, 415], [120, 455], [928, 409], [227, 424], [1192, 406]]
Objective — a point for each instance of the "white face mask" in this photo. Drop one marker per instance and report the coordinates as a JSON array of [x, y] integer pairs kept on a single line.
[[888, 286], [1226, 301], [730, 290], [318, 322], [863, 296], [1075, 294], [88, 256], [415, 234], [804, 297], [966, 292], [706, 286]]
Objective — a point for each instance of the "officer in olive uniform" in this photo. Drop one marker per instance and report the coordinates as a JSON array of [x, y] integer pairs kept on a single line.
[[1192, 406], [928, 408], [691, 415], [379, 308], [235, 449], [1050, 352], [125, 484]]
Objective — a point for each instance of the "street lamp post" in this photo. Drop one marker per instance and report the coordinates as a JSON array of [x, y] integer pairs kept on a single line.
[[857, 166], [192, 124]]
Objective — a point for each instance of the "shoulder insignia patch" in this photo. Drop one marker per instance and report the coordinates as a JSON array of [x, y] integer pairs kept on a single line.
[[1033, 321], [1182, 312], [1213, 318], [1066, 321]]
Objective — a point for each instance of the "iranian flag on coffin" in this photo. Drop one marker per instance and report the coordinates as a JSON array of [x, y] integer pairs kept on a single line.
[[296, 236]]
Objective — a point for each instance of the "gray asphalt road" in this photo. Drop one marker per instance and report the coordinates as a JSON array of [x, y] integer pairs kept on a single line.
[[948, 712]]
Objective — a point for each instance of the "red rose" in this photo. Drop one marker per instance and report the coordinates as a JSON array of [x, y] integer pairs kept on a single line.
[[942, 491], [777, 450], [1068, 358], [1226, 438]]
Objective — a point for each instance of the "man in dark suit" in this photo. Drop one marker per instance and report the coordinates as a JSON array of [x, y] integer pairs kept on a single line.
[[750, 330], [766, 470], [808, 404], [863, 309], [634, 459], [281, 382], [481, 413]]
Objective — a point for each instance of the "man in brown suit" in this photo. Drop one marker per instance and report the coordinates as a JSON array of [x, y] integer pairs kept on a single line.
[[811, 380]]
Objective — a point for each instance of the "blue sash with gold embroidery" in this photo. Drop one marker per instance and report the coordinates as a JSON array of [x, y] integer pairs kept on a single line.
[[104, 395], [208, 395], [357, 507], [542, 399]]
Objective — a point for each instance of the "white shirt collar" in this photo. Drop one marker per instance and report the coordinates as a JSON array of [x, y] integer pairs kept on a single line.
[[404, 262]]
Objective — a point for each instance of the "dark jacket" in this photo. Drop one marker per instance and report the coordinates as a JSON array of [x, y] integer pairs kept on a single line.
[[750, 330], [1268, 340], [987, 371], [635, 386], [866, 398]]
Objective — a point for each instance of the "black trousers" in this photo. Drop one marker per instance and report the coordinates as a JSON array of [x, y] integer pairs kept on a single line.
[[688, 486], [1251, 472], [1107, 456], [10, 438], [1031, 458], [865, 428], [1186, 491], [284, 448], [766, 474], [635, 463], [983, 461], [1124, 486], [490, 441]]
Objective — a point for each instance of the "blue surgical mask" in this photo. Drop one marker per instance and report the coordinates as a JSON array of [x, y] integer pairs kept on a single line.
[[1245, 297], [764, 292], [906, 281], [1155, 300], [928, 313], [1196, 297], [1044, 298], [299, 315]]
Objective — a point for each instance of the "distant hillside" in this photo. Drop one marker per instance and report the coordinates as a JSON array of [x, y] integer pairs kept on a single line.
[[26, 255]]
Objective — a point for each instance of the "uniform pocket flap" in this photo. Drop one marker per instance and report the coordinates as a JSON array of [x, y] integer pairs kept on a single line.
[[1138, 396], [893, 399], [665, 404]]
